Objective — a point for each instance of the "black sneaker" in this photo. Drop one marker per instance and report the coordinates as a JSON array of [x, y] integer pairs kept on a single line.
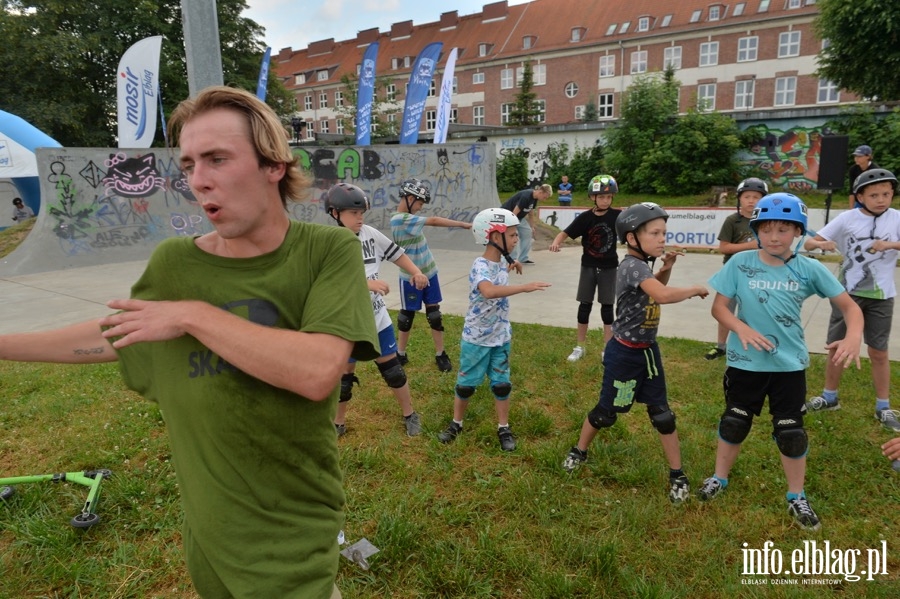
[[679, 489], [711, 488], [450, 433], [803, 514], [402, 359], [714, 353], [340, 429], [574, 459], [507, 440], [443, 362]]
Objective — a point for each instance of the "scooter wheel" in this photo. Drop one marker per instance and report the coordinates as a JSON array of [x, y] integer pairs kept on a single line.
[[85, 520], [6, 493]]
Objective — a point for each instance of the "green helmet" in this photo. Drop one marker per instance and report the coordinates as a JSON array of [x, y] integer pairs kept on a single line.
[[603, 184]]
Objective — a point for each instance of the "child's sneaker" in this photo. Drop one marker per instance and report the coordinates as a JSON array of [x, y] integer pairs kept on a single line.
[[888, 419], [679, 489], [340, 429], [711, 488], [413, 424], [443, 362], [507, 440], [576, 354], [714, 353], [574, 459], [450, 433], [820, 404], [803, 514]]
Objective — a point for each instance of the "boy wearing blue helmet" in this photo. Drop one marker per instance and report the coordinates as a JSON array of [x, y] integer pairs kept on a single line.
[[766, 355]]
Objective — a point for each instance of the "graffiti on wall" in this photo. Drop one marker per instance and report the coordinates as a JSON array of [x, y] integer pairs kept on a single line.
[[789, 159], [538, 159]]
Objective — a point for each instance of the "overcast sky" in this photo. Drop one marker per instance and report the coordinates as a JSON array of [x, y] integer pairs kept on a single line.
[[296, 23]]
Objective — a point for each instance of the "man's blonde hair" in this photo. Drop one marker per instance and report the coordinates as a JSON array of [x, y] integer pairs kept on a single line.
[[268, 136], [546, 189]]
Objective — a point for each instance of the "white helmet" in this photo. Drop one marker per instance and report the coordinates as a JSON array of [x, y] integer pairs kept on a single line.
[[490, 220]]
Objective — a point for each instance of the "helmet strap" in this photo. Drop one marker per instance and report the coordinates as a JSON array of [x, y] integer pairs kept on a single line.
[[332, 213], [503, 250]]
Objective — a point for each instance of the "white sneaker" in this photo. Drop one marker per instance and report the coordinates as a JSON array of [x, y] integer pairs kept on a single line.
[[576, 354]]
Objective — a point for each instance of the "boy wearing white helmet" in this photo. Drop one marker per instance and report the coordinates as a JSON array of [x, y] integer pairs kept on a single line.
[[486, 336], [868, 238]]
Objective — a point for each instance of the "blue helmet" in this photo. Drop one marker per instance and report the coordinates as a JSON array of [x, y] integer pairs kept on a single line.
[[780, 206]]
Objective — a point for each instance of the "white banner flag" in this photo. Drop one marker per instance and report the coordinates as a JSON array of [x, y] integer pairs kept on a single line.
[[443, 116], [137, 85]]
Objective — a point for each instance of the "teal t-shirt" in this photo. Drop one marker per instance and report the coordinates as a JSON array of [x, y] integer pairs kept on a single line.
[[257, 465], [769, 300]]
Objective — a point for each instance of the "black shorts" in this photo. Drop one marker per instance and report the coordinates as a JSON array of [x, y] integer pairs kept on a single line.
[[748, 390]]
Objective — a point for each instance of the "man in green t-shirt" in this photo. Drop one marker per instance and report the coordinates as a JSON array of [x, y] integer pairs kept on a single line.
[[241, 336]]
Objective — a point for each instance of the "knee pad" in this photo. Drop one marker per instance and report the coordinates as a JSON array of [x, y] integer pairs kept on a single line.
[[405, 320], [734, 426], [434, 316], [347, 381], [606, 313], [662, 419], [464, 392], [791, 438], [584, 312], [392, 373], [501, 390], [601, 419]]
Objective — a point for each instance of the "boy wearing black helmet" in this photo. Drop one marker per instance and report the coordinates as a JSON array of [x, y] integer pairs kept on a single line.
[[407, 229], [868, 238], [632, 364], [767, 354], [735, 236]]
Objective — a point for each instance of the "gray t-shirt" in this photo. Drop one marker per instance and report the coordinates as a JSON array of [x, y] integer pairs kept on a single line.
[[637, 315]]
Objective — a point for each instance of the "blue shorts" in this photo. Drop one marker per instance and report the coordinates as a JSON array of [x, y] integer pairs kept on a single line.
[[479, 361], [386, 341], [412, 299], [632, 375]]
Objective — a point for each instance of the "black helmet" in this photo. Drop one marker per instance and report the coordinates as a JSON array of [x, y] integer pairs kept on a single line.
[[344, 196], [874, 175], [752, 184], [416, 189], [636, 215]]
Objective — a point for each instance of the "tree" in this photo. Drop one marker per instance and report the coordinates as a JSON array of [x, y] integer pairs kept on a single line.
[[60, 60], [863, 51], [383, 106], [525, 111], [590, 112], [863, 126]]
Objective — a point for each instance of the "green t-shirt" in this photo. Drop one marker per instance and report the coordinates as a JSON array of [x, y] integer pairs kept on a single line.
[[257, 466]]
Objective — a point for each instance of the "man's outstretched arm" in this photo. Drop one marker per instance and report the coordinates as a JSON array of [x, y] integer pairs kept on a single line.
[[81, 343]]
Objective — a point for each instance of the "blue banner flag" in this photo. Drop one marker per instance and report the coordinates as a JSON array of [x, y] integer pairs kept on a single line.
[[263, 82], [417, 91], [364, 96]]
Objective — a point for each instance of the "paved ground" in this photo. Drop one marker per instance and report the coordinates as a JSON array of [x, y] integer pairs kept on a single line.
[[51, 299]]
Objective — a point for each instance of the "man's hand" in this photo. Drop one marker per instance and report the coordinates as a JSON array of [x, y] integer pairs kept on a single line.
[[141, 320]]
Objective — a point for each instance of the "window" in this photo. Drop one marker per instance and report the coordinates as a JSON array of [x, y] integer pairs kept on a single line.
[[432, 88], [785, 91], [541, 107], [477, 78], [706, 97], [709, 54], [743, 94], [395, 63], [454, 114], [747, 47], [639, 62], [738, 9], [323, 126], [608, 65], [763, 6], [605, 106], [310, 130], [624, 27], [391, 92], [339, 126], [528, 42], [788, 44], [484, 49], [323, 100], [338, 98], [539, 74], [666, 20], [794, 4], [714, 13], [571, 89], [612, 29], [478, 115], [505, 110], [406, 61], [430, 119], [300, 79], [672, 57], [322, 76], [454, 88], [828, 92], [643, 24], [506, 79], [695, 16], [307, 103], [577, 34]]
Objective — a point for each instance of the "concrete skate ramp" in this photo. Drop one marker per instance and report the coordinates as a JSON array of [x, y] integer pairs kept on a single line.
[[101, 206]]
